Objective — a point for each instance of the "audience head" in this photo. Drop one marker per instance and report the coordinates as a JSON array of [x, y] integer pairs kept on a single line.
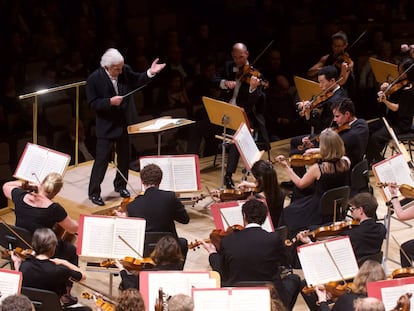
[[368, 304], [180, 302], [130, 300], [52, 184], [151, 175], [331, 145], [167, 251], [365, 201], [254, 211], [370, 271], [44, 242], [17, 303]]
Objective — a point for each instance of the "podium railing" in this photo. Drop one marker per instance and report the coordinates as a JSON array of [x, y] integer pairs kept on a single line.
[[36, 94]]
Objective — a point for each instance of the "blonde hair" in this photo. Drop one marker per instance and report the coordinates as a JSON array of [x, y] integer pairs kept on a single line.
[[370, 271], [52, 184], [332, 150]]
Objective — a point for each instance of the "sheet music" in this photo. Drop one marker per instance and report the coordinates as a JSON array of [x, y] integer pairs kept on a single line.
[[161, 123], [10, 283], [246, 146], [182, 169]]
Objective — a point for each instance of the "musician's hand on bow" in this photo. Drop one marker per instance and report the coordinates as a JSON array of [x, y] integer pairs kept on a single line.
[[282, 160], [306, 142], [384, 86], [155, 67], [209, 247], [303, 237], [230, 84], [381, 96], [245, 185], [393, 188], [321, 293]]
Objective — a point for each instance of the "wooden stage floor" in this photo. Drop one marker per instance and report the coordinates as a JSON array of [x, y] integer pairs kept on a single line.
[[74, 198]]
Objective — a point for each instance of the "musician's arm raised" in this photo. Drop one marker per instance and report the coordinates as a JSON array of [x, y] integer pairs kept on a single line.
[[402, 214]]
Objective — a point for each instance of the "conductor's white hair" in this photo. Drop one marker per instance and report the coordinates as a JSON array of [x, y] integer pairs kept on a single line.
[[111, 56]]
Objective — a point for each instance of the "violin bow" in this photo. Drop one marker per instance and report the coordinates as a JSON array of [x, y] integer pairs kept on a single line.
[[124, 178], [262, 52], [108, 298], [334, 262], [402, 250], [225, 219], [357, 39], [398, 78], [130, 246], [14, 232]]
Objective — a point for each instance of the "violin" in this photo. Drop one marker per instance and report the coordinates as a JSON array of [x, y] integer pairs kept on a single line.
[[100, 302], [298, 160], [338, 130], [394, 87], [318, 99], [343, 58], [247, 71], [121, 208], [130, 263], [403, 303], [218, 234], [406, 190], [326, 231], [336, 289], [402, 273], [22, 253], [62, 234], [234, 194]]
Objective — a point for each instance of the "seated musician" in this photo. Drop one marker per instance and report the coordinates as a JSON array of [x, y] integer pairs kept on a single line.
[[407, 248], [268, 187], [367, 237], [158, 207], [44, 272], [166, 256], [129, 300], [370, 271], [332, 171], [36, 210], [400, 111], [253, 254]]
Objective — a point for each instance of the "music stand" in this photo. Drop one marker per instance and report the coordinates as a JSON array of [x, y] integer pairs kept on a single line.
[[383, 71], [229, 117]]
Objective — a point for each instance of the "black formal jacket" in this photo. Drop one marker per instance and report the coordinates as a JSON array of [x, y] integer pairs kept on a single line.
[[159, 208], [355, 140], [252, 254], [111, 121]]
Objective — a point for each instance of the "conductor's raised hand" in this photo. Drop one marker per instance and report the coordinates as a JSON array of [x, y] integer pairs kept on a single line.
[[116, 100], [155, 67]]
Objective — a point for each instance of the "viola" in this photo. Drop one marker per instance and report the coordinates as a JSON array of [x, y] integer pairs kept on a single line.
[[336, 289], [402, 273], [298, 160], [406, 190], [326, 231], [247, 71], [100, 302]]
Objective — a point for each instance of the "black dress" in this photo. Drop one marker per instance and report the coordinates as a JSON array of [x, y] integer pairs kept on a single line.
[[304, 212]]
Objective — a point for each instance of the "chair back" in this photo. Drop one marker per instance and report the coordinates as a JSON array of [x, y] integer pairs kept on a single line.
[[43, 300], [360, 178], [334, 203], [151, 239]]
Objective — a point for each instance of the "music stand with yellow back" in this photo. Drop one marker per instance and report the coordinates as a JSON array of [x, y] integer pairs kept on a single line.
[[306, 88], [229, 117], [383, 71]]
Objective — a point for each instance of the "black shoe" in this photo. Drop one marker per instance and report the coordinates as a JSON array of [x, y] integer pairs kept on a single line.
[[97, 200], [124, 193], [228, 182], [68, 300]]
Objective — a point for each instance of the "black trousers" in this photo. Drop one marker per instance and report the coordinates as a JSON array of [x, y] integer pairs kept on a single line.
[[104, 149]]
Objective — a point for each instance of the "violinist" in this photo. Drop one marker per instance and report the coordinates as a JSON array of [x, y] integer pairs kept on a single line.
[[370, 271], [36, 210], [338, 58], [158, 207], [332, 171], [129, 300], [400, 111], [267, 187], [407, 248], [166, 256], [242, 86], [254, 254], [45, 272]]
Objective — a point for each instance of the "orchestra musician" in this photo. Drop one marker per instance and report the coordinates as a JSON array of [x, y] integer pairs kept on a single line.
[[129, 300], [244, 89], [158, 207], [44, 272], [370, 271], [338, 58], [36, 210], [332, 171], [407, 248], [267, 187], [253, 254], [104, 90], [400, 111]]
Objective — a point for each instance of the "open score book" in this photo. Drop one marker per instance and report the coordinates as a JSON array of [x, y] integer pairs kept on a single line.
[[36, 162], [329, 260], [180, 173], [246, 146], [99, 236]]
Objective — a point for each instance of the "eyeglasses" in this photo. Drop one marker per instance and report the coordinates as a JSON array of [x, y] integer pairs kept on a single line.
[[352, 208]]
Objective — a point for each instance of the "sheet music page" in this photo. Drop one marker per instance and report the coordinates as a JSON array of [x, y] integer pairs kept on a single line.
[[172, 283], [55, 163], [342, 252], [10, 283], [131, 230], [246, 299], [167, 181], [185, 173], [212, 300], [246, 146], [98, 237], [394, 169], [32, 162], [390, 295], [160, 123], [234, 216]]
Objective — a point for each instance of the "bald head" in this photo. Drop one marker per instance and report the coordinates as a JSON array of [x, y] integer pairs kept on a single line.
[[240, 54]]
